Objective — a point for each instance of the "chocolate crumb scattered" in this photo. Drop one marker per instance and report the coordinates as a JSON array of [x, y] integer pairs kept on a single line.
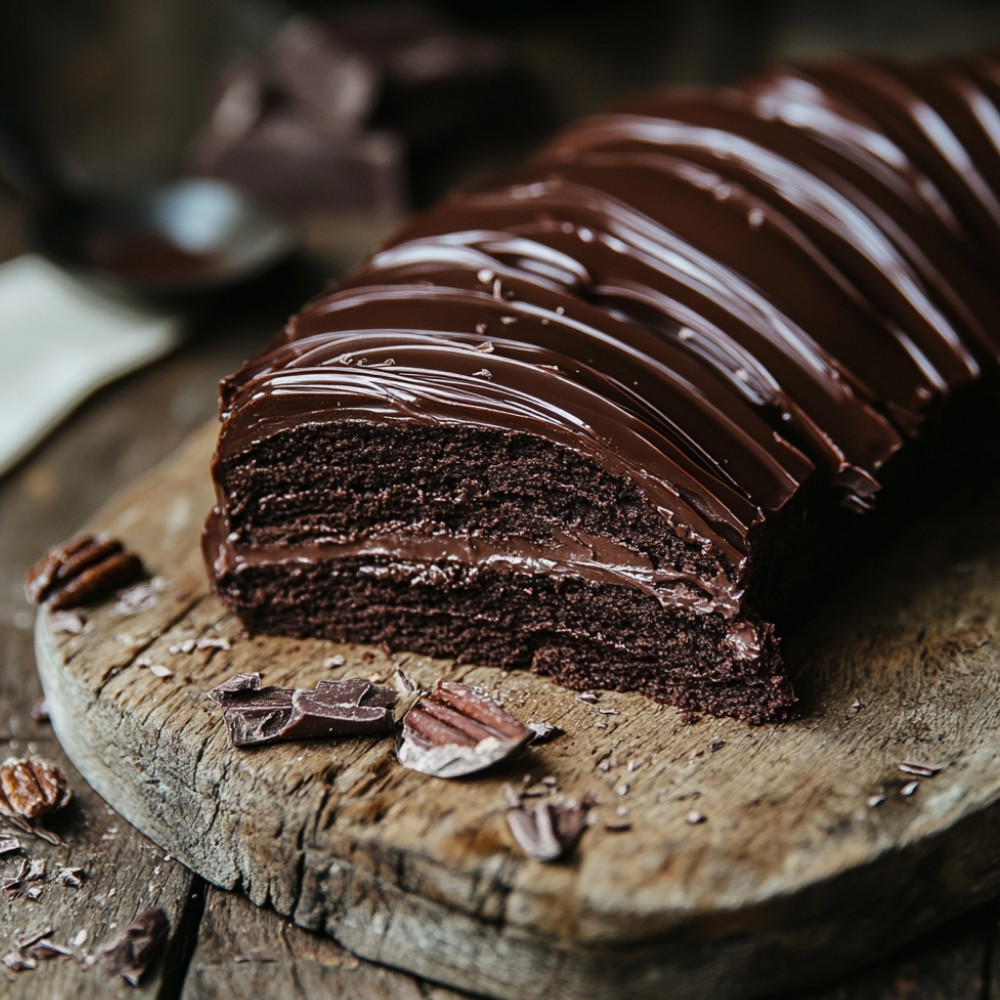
[[81, 570], [71, 876], [256, 715], [334, 661], [909, 788], [617, 826], [548, 831], [31, 870], [139, 597], [9, 845], [543, 732], [33, 937], [457, 731], [715, 744], [920, 770], [69, 622], [17, 962], [134, 950], [587, 697], [876, 800], [608, 764], [160, 670], [46, 950]]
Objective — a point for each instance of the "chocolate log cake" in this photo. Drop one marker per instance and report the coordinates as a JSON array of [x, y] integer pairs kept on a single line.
[[593, 419]]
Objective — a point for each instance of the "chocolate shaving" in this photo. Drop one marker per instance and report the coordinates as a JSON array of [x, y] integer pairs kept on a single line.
[[33, 937], [31, 870], [45, 950], [548, 831], [81, 570], [134, 950], [8, 845], [71, 877], [17, 962], [457, 731], [257, 715], [543, 732], [920, 770]]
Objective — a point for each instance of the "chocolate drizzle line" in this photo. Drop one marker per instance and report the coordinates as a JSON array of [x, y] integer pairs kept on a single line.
[[727, 296]]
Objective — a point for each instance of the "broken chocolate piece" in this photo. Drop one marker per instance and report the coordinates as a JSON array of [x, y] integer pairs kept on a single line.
[[31, 870], [80, 571], [548, 831], [134, 950], [71, 876], [457, 731], [8, 845], [256, 715], [31, 787]]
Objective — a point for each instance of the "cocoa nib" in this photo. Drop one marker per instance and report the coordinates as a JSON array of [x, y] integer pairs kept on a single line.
[[547, 831], [256, 715], [457, 731], [81, 570], [134, 950]]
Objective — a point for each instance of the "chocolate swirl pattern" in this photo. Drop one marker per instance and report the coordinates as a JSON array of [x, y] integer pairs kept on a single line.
[[577, 421]]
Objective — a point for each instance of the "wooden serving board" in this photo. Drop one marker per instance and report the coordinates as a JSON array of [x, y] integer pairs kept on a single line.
[[793, 876]]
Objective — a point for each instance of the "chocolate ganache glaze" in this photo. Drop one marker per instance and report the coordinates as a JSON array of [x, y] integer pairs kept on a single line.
[[595, 418]]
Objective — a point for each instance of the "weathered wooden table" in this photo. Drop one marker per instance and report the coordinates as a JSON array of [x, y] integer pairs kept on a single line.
[[220, 944]]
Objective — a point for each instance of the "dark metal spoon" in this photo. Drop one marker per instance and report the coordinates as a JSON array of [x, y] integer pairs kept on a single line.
[[183, 239]]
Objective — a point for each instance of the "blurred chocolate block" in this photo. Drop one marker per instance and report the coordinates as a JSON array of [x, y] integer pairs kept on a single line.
[[351, 120]]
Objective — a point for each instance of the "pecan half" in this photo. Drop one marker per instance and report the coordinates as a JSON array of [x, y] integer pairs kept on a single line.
[[31, 787], [81, 570], [457, 731]]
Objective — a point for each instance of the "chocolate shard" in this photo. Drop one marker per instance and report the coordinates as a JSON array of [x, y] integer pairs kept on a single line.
[[256, 715], [456, 731], [134, 950], [548, 831]]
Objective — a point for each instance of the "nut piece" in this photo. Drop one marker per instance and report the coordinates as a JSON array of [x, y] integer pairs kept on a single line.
[[81, 570], [456, 731], [31, 787]]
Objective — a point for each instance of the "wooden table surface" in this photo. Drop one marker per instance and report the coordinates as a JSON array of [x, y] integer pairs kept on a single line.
[[220, 945]]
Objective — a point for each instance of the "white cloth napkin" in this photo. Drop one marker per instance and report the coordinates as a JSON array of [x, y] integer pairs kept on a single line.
[[60, 341]]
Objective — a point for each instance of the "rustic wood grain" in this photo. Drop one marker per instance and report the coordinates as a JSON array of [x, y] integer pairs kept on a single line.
[[792, 877], [247, 951]]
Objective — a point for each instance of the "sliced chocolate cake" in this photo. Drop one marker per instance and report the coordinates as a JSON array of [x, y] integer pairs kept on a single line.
[[595, 420]]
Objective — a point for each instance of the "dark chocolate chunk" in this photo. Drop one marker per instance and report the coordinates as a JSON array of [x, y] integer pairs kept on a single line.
[[256, 715], [548, 831], [134, 950], [81, 570], [457, 731]]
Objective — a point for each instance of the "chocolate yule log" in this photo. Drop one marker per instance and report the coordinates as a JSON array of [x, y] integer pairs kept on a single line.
[[598, 418]]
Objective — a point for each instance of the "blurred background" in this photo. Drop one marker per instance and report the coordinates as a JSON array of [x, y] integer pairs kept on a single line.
[[347, 116]]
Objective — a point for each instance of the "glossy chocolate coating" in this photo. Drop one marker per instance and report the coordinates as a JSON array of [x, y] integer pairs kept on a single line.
[[725, 296]]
